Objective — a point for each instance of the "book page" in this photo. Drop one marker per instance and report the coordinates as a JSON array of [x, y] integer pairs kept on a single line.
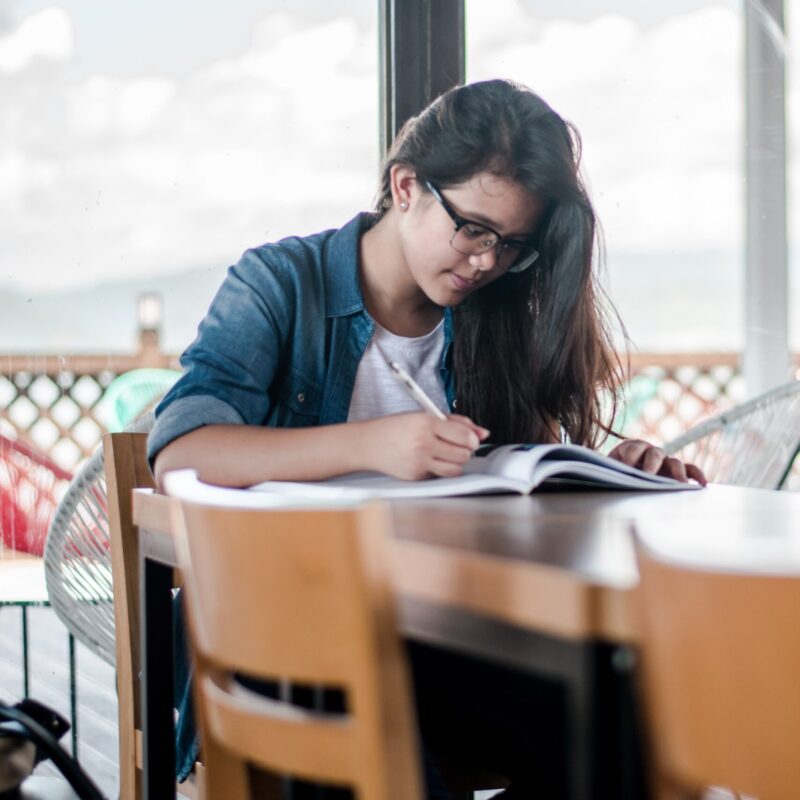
[[376, 484], [185, 485], [583, 473], [514, 461], [609, 470], [535, 463]]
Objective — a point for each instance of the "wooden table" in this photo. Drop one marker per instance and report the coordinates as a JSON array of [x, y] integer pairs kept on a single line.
[[543, 584]]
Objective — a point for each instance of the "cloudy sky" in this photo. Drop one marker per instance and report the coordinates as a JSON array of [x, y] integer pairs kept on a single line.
[[146, 138]]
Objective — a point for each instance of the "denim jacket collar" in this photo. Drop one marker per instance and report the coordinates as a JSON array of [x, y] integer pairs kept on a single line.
[[343, 292], [342, 289]]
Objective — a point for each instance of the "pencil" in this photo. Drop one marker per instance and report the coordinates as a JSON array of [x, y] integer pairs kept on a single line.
[[411, 386]]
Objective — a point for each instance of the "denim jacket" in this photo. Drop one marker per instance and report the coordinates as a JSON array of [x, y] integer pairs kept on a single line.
[[281, 342], [280, 346]]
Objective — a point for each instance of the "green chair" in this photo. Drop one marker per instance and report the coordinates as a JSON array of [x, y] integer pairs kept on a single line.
[[633, 398], [129, 395]]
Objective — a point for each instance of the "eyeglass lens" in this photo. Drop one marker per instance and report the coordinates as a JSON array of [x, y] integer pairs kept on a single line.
[[472, 239]]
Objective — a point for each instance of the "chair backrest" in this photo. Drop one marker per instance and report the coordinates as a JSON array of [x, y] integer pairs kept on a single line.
[[126, 469], [30, 485], [77, 561], [133, 393], [302, 596], [753, 444], [720, 667], [77, 557]]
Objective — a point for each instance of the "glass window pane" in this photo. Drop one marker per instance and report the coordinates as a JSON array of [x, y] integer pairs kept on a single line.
[[145, 146], [656, 92], [147, 141]]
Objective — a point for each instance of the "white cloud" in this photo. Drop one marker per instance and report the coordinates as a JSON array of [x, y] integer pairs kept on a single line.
[[107, 175], [141, 102], [46, 35], [660, 114], [99, 106]]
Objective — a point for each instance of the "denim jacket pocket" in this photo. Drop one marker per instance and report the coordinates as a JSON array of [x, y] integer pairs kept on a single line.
[[299, 403]]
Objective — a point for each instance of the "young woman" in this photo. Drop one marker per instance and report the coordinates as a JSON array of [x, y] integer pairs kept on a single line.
[[476, 273], [476, 270]]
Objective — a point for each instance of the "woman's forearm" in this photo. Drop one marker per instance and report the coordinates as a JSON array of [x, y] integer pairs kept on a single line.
[[241, 455]]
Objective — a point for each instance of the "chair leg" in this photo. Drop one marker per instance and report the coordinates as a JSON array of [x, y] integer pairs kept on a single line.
[[225, 777], [666, 790], [194, 788], [265, 785], [130, 748]]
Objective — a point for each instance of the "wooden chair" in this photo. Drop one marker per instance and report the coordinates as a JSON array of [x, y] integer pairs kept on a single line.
[[127, 468], [721, 660], [302, 596]]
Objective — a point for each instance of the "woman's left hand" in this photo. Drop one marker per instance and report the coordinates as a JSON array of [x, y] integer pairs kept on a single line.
[[650, 458]]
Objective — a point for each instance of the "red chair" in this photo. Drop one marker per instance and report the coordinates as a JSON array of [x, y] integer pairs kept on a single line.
[[29, 491]]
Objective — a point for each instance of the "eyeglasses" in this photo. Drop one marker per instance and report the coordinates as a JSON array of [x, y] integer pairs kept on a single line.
[[472, 238]]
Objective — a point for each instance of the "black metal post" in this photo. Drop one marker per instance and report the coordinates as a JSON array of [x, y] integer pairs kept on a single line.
[[73, 695], [421, 56], [157, 689], [26, 686]]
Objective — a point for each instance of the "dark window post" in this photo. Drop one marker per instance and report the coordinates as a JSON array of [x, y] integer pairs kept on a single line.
[[421, 56]]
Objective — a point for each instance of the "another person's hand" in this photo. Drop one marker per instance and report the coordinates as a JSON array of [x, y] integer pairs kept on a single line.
[[417, 446], [648, 457]]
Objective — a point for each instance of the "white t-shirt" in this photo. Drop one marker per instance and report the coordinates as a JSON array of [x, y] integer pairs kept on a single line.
[[377, 392]]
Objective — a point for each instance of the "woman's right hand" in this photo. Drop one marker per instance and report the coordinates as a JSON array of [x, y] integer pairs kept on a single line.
[[418, 445]]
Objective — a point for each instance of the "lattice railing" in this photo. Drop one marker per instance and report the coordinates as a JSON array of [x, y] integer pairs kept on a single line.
[[677, 390], [673, 392], [54, 401]]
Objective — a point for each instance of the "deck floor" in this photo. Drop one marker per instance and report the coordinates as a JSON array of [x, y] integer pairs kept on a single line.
[[48, 655]]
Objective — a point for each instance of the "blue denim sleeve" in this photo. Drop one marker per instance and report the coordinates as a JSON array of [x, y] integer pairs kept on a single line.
[[231, 365]]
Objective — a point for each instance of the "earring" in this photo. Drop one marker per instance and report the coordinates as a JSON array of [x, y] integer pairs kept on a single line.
[[404, 205]]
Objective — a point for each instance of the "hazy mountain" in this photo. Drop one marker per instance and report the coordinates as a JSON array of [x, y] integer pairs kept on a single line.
[[667, 301], [102, 318]]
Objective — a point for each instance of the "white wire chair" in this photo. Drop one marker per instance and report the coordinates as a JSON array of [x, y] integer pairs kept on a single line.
[[753, 444], [77, 556]]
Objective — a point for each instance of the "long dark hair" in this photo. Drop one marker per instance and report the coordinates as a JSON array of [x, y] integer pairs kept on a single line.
[[533, 350]]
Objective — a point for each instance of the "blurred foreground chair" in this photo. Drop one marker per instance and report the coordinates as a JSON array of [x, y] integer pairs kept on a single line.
[[753, 444], [303, 596], [127, 468], [720, 666]]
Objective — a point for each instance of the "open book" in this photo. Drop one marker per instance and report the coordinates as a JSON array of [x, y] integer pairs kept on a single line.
[[511, 468]]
